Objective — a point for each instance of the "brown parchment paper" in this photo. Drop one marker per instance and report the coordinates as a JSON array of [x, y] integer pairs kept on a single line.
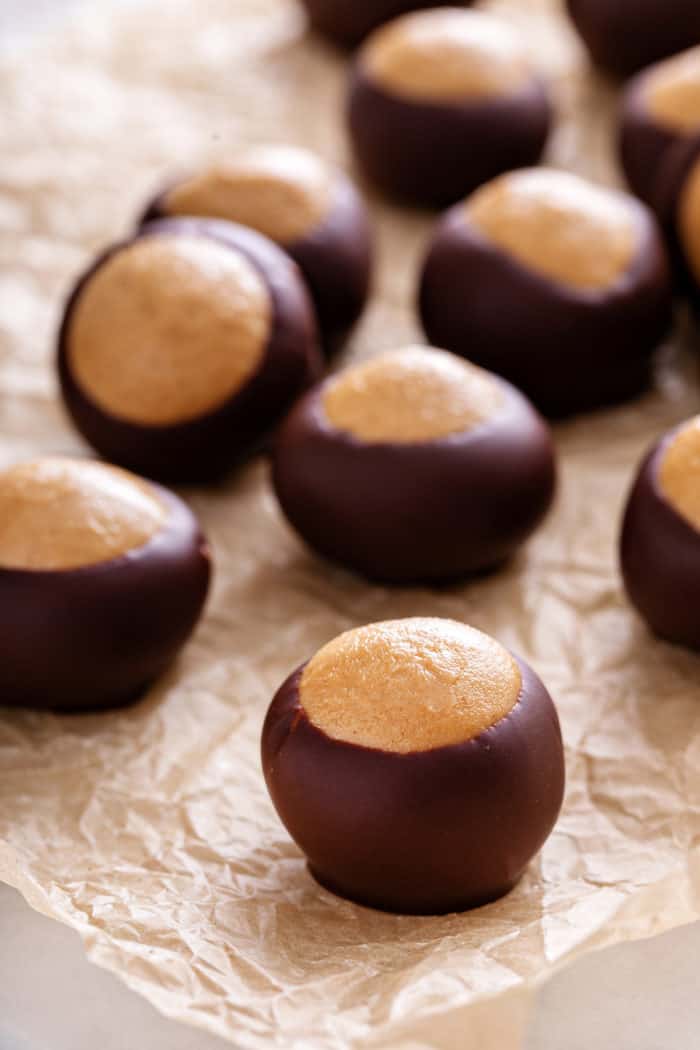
[[149, 830]]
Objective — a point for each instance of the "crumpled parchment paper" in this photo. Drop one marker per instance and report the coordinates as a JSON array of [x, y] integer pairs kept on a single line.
[[149, 830]]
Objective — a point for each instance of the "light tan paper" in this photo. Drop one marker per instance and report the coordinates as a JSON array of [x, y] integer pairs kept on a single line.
[[149, 830]]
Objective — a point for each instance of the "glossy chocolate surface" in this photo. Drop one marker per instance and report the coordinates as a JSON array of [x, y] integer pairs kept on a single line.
[[348, 22], [97, 636], [434, 153], [335, 258], [660, 558], [569, 351], [427, 832], [337, 261], [427, 511], [205, 448], [624, 36]]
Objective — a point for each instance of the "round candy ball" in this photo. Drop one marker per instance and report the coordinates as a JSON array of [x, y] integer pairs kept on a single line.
[[561, 286], [660, 108], [678, 204], [103, 577], [414, 467], [182, 348], [307, 207], [623, 36], [440, 101], [417, 764], [660, 542], [347, 22]]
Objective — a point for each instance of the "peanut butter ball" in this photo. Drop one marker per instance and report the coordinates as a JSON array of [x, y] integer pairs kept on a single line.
[[306, 206], [660, 542], [181, 349], [660, 108], [414, 466], [441, 101], [416, 763], [677, 199], [560, 286], [103, 576], [687, 218]]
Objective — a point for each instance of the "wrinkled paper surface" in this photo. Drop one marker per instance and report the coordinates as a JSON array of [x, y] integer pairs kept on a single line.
[[149, 830]]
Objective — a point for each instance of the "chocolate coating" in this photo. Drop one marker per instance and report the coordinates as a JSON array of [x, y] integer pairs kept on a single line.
[[427, 511], [647, 136], [678, 166], [432, 152], [335, 258], [567, 349], [660, 557], [97, 636], [643, 141], [205, 448], [624, 36], [427, 832], [348, 22]]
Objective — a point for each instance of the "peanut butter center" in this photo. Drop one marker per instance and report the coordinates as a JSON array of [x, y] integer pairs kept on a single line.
[[65, 514], [559, 226], [409, 685], [673, 92], [689, 219], [168, 329], [446, 54], [679, 472], [280, 191], [409, 395]]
